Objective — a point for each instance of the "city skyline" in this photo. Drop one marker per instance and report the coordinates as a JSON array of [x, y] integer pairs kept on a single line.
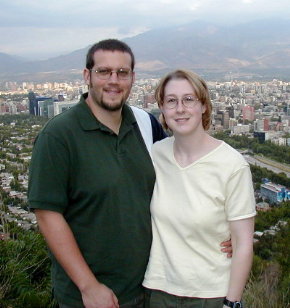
[[39, 30]]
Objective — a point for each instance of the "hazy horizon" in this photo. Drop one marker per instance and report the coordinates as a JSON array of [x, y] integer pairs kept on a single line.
[[41, 30]]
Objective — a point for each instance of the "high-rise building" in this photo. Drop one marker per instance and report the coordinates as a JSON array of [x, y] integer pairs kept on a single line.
[[223, 117], [40, 105], [248, 113], [288, 109], [60, 107], [32, 103], [262, 125]]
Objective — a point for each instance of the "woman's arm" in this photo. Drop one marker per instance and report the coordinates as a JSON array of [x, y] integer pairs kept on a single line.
[[242, 242]]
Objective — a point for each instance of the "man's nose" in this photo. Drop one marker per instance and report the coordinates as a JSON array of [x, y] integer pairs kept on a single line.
[[114, 77]]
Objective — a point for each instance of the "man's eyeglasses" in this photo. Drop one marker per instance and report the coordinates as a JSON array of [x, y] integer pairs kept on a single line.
[[105, 73], [187, 101]]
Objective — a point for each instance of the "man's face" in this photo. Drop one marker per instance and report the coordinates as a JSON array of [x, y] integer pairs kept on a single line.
[[110, 94]]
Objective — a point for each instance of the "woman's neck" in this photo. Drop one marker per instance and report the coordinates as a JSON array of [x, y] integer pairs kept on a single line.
[[190, 148]]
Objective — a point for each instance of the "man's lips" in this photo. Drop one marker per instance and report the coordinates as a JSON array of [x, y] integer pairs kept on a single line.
[[112, 91]]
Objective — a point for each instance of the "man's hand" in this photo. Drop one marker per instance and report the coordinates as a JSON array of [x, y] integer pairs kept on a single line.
[[227, 248], [99, 296]]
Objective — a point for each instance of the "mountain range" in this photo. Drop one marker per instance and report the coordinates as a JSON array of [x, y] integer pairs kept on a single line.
[[259, 49]]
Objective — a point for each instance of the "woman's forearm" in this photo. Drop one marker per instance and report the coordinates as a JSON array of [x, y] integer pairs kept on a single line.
[[242, 241]]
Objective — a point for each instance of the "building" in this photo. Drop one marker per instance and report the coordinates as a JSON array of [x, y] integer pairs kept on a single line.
[[40, 105], [248, 113], [261, 125], [274, 192], [240, 129], [222, 117], [263, 207], [60, 107], [32, 103], [261, 136], [45, 106]]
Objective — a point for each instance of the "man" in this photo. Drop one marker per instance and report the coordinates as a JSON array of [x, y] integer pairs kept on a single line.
[[91, 181]]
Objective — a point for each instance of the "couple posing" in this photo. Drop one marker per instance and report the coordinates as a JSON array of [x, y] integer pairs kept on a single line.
[[94, 186]]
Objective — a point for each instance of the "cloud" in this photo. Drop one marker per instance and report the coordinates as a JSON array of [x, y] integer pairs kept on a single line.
[[31, 26], [55, 41], [128, 13]]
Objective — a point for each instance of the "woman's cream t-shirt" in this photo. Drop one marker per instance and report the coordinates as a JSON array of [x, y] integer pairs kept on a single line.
[[191, 209]]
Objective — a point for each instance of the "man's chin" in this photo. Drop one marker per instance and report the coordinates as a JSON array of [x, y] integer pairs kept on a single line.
[[113, 107]]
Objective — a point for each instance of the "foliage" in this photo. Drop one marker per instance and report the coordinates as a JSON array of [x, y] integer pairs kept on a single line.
[[269, 282], [259, 173], [263, 292], [24, 272], [264, 220], [22, 119], [276, 152]]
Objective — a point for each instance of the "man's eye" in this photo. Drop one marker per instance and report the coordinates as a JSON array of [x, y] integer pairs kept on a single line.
[[123, 73], [104, 71]]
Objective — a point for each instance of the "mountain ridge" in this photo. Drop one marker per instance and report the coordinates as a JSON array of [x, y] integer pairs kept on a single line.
[[253, 48]]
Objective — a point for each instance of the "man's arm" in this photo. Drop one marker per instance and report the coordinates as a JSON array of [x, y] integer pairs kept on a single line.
[[63, 245], [227, 248]]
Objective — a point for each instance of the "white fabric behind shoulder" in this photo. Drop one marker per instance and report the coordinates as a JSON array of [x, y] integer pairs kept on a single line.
[[144, 123]]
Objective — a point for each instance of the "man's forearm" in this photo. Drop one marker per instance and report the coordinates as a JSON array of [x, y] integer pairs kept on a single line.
[[63, 245]]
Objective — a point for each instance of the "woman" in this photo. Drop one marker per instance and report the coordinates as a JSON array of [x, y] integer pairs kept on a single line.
[[203, 195]]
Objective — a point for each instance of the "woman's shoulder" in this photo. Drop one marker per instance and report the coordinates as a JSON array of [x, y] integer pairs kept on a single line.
[[162, 147], [166, 142], [231, 155]]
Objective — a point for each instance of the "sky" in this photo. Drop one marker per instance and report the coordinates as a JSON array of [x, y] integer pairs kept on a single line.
[[39, 29]]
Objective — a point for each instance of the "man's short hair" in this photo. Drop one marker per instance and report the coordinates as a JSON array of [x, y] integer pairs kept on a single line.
[[108, 45]]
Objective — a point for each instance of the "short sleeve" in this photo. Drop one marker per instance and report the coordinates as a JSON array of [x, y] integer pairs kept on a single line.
[[48, 174], [240, 200]]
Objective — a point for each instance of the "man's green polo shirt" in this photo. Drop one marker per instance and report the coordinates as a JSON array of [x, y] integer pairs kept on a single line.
[[102, 183]]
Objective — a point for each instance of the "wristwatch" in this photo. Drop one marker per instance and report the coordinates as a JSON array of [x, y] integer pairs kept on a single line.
[[237, 304]]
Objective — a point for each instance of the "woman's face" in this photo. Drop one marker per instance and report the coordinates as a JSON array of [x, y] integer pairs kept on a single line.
[[181, 108]]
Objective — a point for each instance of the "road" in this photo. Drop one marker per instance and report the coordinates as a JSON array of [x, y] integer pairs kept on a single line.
[[253, 161]]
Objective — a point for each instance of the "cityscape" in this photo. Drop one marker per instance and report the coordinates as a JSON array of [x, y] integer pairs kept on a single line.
[[252, 109], [257, 107]]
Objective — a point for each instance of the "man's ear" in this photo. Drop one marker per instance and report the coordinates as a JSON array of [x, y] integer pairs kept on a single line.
[[87, 76]]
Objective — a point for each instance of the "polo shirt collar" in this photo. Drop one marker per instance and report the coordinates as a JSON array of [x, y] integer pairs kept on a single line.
[[89, 122]]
